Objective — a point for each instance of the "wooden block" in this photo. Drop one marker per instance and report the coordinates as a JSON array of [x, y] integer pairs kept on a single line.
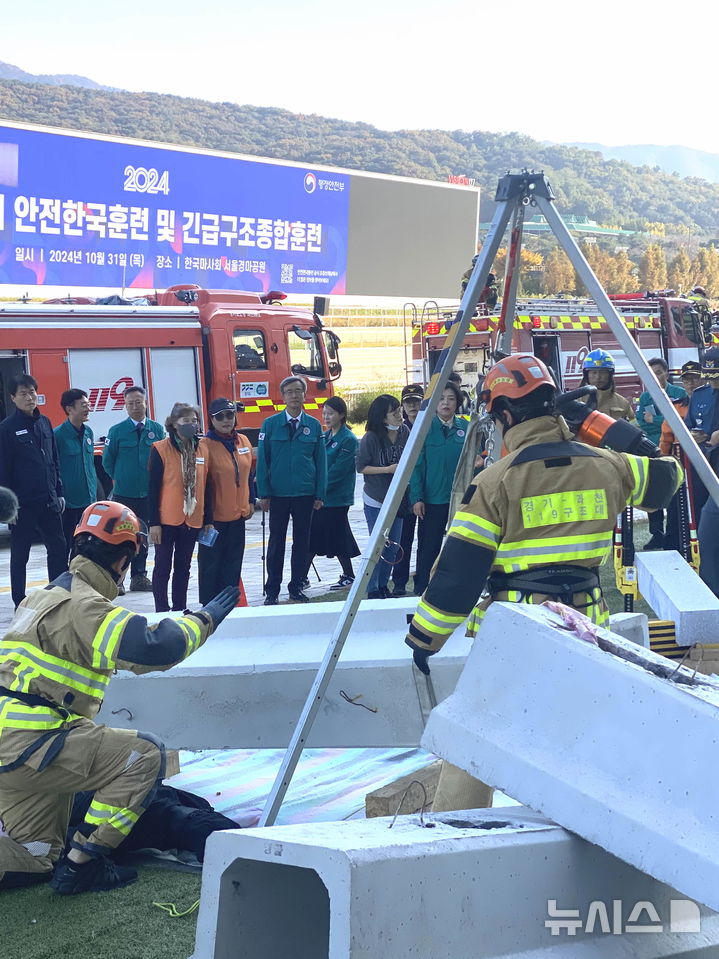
[[172, 762], [385, 800]]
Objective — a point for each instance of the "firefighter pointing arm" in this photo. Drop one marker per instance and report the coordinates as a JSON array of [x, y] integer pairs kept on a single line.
[[537, 524], [56, 660]]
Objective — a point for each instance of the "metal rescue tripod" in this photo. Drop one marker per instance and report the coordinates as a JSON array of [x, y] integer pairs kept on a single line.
[[515, 192]]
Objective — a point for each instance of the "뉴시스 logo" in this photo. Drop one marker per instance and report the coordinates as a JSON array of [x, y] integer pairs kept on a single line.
[[310, 182]]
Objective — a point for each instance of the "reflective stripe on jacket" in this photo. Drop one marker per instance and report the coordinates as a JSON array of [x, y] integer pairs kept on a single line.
[[65, 642], [532, 510]]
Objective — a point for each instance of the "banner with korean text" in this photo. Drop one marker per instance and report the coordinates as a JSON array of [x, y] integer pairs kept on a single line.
[[82, 211]]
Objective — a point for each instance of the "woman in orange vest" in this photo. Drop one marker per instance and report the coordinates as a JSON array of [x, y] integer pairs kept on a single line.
[[228, 500], [176, 494]]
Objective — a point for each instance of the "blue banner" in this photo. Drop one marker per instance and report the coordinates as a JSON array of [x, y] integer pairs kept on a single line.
[[80, 211]]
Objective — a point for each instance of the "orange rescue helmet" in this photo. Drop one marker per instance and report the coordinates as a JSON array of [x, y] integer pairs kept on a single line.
[[111, 522], [515, 377]]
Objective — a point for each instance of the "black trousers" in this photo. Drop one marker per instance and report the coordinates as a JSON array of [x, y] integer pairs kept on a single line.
[[400, 571], [430, 533], [300, 509], [708, 534], [220, 565], [173, 554], [141, 508], [30, 520], [656, 523], [70, 518]]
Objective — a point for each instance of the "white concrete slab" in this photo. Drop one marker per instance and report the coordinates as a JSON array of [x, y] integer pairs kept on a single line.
[[245, 688], [675, 592], [633, 626], [467, 885], [603, 746]]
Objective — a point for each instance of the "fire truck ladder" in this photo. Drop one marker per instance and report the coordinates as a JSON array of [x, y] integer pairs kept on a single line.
[[515, 192]]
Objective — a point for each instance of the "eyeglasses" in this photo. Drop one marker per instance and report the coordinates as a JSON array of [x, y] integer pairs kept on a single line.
[[293, 392], [223, 415]]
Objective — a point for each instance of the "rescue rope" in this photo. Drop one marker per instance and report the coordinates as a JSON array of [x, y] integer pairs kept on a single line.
[[174, 912]]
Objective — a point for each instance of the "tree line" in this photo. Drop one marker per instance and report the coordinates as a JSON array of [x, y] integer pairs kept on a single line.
[[611, 192]]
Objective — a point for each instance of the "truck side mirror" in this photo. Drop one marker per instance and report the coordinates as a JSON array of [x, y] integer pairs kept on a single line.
[[321, 305]]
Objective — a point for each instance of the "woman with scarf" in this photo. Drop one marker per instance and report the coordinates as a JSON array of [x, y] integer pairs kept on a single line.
[[228, 500], [176, 494]]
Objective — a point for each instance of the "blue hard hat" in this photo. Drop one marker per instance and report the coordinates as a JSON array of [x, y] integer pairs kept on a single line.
[[598, 360]]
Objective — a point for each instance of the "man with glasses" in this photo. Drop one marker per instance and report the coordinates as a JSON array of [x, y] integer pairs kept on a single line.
[[125, 459], [291, 482], [29, 466]]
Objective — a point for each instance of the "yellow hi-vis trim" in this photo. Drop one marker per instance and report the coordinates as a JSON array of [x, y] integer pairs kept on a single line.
[[476, 529], [518, 555], [119, 817], [640, 471], [569, 506], [434, 620], [192, 632], [107, 637], [57, 670]]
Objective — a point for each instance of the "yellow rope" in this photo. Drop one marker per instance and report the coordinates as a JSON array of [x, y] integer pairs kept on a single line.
[[173, 911]]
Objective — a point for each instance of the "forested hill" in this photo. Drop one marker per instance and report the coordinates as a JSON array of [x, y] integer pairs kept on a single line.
[[609, 191]]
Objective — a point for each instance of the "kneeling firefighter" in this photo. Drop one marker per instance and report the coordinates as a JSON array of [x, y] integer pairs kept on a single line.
[[56, 660], [536, 524]]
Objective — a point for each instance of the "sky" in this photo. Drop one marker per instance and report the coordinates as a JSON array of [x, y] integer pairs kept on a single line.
[[624, 71]]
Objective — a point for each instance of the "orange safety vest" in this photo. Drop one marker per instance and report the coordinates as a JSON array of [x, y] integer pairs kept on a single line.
[[229, 478], [172, 492]]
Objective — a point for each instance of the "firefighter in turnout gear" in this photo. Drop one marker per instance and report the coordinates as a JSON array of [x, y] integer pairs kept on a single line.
[[56, 660], [536, 524], [598, 370]]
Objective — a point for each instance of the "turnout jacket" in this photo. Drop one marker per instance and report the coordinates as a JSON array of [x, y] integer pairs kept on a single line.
[[549, 502], [291, 465], [64, 643]]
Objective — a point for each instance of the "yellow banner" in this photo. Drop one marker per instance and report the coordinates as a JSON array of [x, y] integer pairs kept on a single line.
[[571, 506]]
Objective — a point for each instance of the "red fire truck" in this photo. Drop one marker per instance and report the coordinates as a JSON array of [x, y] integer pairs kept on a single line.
[[561, 332], [182, 344]]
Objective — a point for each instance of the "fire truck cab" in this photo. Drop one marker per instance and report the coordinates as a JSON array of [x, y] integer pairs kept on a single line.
[[185, 343]]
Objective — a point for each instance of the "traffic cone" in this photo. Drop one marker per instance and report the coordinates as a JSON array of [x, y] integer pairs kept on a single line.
[[242, 601]]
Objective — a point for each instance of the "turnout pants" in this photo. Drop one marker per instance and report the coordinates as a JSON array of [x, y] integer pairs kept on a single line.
[[32, 519], [300, 508], [123, 768]]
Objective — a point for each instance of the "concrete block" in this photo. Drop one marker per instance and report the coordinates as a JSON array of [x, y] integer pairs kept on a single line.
[[605, 747], [632, 626], [406, 790], [467, 885], [245, 688], [675, 592]]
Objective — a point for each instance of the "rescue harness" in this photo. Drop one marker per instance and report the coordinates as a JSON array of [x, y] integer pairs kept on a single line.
[[59, 734], [560, 583]]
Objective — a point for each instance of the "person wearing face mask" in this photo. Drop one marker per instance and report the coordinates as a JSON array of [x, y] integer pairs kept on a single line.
[[412, 396], [377, 458], [56, 659], [430, 488], [176, 494], [228, 501]]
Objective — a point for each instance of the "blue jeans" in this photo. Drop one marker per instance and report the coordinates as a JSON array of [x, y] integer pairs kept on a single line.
[[382, 571]]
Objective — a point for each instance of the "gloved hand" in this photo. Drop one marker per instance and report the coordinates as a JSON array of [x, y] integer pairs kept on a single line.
[[222, 604], [61, 501], [420, 657], [574, 412]]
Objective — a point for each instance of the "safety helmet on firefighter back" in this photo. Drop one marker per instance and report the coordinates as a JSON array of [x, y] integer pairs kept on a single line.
[[699, 291], [514, 378], [598, 360], [112, 523]]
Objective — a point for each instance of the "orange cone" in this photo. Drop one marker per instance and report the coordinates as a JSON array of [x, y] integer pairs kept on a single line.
[[242, 601]]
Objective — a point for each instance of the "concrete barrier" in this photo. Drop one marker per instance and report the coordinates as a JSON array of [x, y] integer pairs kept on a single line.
[[604, 747], [676, 593], [245, 688], [466, 885]]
